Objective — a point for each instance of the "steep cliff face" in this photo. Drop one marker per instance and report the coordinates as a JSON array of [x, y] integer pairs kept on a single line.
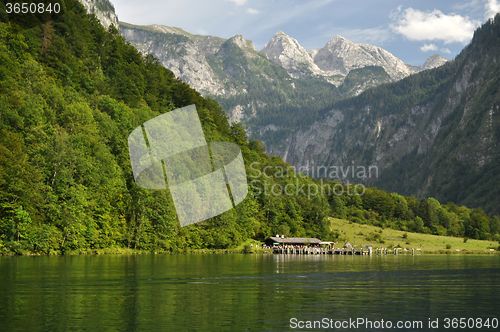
[[103, 10], [436, 133], [183, 53]]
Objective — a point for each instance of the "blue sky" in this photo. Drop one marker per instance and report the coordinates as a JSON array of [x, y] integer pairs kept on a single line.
[[411, 30]]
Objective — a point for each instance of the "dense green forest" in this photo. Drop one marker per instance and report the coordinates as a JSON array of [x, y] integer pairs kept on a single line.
[[71, 93]]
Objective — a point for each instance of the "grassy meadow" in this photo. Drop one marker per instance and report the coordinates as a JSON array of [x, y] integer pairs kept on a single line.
[[360, 235]]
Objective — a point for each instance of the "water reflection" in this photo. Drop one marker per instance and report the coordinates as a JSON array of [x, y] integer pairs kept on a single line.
[[239, 292]]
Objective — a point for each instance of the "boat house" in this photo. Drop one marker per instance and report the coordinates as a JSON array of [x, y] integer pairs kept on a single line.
[[293, 241]]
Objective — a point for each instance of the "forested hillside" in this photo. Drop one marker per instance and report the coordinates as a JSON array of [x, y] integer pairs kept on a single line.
[[70, 94]]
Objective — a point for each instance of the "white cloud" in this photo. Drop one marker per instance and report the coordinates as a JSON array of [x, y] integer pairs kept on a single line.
[[429, 47], [445, 50], [238, 2], [492, 7], [252, 11], [394, 14], [417, 25]]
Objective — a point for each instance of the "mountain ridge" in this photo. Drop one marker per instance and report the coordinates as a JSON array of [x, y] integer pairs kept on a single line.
[[336, 58], [244, 80], [299, 62]]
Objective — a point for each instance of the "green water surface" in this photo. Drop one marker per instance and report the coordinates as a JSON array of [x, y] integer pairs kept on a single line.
[[242, 292]]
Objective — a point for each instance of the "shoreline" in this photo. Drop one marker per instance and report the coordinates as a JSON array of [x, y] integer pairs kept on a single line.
[[122, 251]]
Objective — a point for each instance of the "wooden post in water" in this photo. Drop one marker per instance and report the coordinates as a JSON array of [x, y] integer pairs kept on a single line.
[[413, 251]]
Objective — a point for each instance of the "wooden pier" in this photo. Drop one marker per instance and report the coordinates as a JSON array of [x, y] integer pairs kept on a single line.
[[313, 246], [335, 251], [318, 251]]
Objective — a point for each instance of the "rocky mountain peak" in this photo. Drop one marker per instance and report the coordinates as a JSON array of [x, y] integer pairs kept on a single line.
[[336, 39], [434, 61], [103, 10], [277, 41], [340, 55], [286, 51], [236, 46], [242, 42]]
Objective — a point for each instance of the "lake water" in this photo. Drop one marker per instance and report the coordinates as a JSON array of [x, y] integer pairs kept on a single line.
[[246, 292]]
